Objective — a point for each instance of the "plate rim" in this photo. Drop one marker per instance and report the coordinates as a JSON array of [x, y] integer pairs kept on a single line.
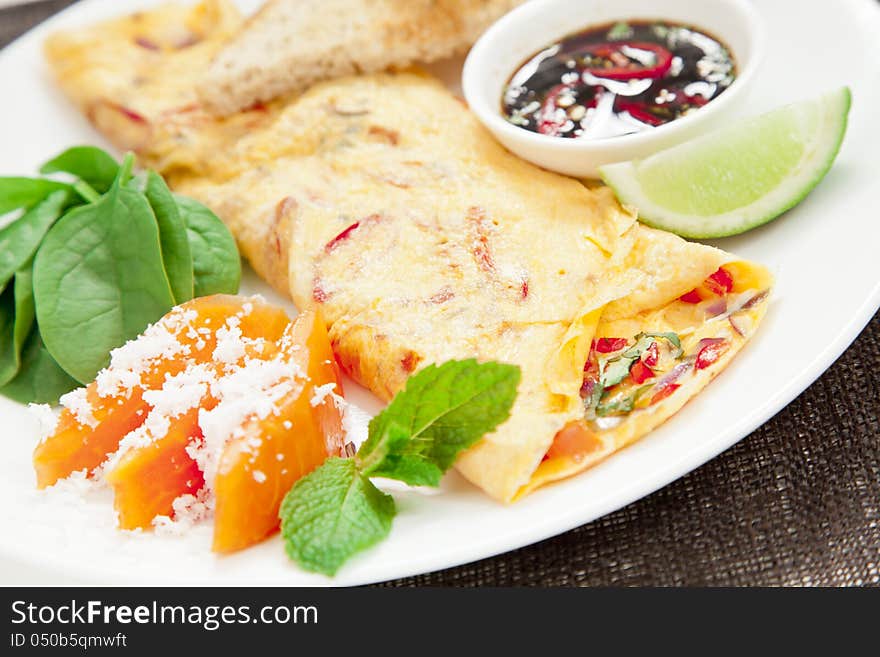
[[682, 463]]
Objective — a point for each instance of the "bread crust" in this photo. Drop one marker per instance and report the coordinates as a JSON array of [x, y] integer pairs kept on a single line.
[[291, 44]]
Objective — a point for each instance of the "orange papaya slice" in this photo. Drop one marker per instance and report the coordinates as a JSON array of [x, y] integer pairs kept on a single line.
[[74, 446], [147, 480], [193, 327], [266, 458]]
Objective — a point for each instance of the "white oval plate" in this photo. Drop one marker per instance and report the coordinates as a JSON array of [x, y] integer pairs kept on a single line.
[[824, 254]]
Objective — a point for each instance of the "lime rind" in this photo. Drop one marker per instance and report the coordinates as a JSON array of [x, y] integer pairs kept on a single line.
[[828, 114]]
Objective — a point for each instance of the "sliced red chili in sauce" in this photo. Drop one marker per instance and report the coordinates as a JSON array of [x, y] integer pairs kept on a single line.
[[646, 73], [627, 67], [639, 112], [553, 120]]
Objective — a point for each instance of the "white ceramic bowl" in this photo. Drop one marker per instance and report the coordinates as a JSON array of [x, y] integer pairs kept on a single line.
[[538, 23]]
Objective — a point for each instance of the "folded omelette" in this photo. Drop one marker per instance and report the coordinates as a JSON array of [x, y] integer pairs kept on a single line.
[[382, 200]]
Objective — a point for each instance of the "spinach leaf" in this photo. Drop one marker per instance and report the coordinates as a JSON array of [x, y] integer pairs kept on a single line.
[[87, 163], [8, 353], [16, 320], [173, 236], [216, 263], [18, 193], [85, 191], [20, 239], [40, 379], [99, 279]]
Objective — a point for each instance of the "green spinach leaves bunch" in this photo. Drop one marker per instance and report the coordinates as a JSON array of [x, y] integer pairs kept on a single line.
[[86, 265]]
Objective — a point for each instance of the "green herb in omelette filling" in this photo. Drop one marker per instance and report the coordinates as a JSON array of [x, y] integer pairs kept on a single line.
[[615, 367], [622, 403], [335, 512], [672, 338]]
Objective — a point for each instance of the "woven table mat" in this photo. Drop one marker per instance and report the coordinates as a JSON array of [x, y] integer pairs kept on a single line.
[[795, 503]]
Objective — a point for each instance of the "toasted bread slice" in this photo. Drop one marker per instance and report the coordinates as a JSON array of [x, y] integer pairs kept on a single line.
[[291, 44]]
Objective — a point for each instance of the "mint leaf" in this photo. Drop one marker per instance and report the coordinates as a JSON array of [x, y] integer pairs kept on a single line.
[[442, 411], [395, 457], [336, 511], [333, 513]]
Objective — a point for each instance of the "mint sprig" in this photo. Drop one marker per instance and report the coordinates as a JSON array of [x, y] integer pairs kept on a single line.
[[442, 411], [332, 513], [335, 512]]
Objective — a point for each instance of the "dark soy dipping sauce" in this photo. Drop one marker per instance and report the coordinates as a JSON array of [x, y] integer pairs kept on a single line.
[[618, 79]]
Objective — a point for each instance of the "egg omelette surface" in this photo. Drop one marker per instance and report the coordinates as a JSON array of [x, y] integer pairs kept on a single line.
[[382, 200]]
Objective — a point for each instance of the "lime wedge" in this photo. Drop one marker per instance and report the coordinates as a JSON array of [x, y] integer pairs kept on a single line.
[[739, 177]]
